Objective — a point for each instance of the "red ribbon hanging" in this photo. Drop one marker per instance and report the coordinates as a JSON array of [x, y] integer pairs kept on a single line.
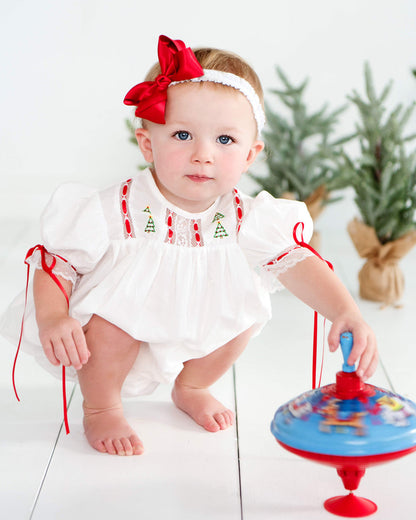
[[177, 63], [302, 243], [48, 269]]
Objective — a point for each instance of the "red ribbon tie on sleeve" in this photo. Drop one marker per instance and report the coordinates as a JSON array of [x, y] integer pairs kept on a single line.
[[48, 269]]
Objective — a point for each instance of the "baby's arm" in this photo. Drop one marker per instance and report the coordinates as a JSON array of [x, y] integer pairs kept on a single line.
[[314, 283], [61, 336]]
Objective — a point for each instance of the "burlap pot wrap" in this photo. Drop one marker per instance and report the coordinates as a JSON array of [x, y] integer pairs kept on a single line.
[[381, 278]]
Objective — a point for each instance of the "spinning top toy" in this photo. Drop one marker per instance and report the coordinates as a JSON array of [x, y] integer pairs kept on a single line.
[[349, 425]]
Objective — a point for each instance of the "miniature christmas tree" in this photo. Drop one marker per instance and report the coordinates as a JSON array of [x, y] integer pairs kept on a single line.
[[220, 232], [150, 226], [217, 216], [384, 179], [384, 175], [302, 160]]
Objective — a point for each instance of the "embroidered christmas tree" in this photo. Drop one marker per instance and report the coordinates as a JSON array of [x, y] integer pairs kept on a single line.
[[220, 232], [217, 216], [150, 226]]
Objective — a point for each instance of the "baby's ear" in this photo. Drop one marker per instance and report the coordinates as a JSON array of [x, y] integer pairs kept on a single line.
[[254, 151], [145, 144]]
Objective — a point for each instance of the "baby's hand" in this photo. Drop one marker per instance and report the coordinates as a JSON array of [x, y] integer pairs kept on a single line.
[[364, 343], [63, 341]]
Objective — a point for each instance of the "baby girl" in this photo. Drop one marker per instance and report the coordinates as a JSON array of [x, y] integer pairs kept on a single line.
[[168, 273]]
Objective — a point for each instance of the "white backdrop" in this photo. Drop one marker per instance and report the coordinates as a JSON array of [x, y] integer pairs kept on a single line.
[[66, 66]]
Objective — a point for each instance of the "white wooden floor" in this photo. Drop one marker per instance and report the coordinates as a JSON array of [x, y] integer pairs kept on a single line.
[[187, 473]]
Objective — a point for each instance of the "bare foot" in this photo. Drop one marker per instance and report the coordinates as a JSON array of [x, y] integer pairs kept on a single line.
[[108, 431], [204, 409]]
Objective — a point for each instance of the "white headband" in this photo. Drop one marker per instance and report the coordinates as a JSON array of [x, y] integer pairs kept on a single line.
[[234, 81]]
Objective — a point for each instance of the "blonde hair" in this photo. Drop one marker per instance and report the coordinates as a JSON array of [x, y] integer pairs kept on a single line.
[[224, 61]]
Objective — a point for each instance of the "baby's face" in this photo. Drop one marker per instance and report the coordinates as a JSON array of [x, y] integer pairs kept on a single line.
[[208, 141]]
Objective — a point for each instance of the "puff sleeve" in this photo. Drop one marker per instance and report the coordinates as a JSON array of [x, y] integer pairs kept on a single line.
[[266, 236], [73, 230]]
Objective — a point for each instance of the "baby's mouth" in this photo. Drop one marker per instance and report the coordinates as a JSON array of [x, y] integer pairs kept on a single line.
[[199, 178]]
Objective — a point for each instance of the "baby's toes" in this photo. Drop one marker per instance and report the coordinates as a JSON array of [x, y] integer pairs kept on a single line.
[[123, 446], [210, 424], [137, 445], [109, 446], [99, 446], [132, 445], [222, 420], [229, 417]]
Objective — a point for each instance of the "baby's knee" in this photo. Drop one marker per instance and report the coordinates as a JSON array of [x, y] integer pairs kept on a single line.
[[106, 332]]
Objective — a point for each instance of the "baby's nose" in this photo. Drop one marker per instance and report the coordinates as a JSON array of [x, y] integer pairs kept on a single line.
[[202, 153]]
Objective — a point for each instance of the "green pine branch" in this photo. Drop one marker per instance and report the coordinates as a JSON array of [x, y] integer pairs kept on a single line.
[[132, 131], [384, 174], [301, 155]]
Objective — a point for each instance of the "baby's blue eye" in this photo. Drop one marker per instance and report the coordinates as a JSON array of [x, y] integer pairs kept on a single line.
[[182, 135], [225, 139]]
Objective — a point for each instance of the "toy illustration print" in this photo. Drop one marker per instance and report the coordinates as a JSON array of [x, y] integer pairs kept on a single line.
[[341, 419], [300, 407], [395, 411]]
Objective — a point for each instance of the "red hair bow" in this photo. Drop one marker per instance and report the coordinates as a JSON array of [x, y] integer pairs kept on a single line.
[[177, 63]]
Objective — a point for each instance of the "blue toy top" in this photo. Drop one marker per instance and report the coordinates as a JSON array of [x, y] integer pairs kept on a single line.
[[319, 422], [349, 418]]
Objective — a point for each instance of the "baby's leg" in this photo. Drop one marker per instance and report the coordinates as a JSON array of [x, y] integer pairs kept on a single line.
[[191, 391], [113, 353]]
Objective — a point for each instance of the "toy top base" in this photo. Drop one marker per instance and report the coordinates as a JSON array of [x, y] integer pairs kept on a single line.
[[349, 418]]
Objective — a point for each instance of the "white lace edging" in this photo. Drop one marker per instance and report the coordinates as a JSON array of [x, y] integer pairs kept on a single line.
[[289, 258], [62, 268]]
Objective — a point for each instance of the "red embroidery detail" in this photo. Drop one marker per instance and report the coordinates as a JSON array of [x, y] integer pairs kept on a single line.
[[183, 231], [128, 227], [48, 269], [239, 209], [170, 219], [125, 212], [197, 236], [275, 260]]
